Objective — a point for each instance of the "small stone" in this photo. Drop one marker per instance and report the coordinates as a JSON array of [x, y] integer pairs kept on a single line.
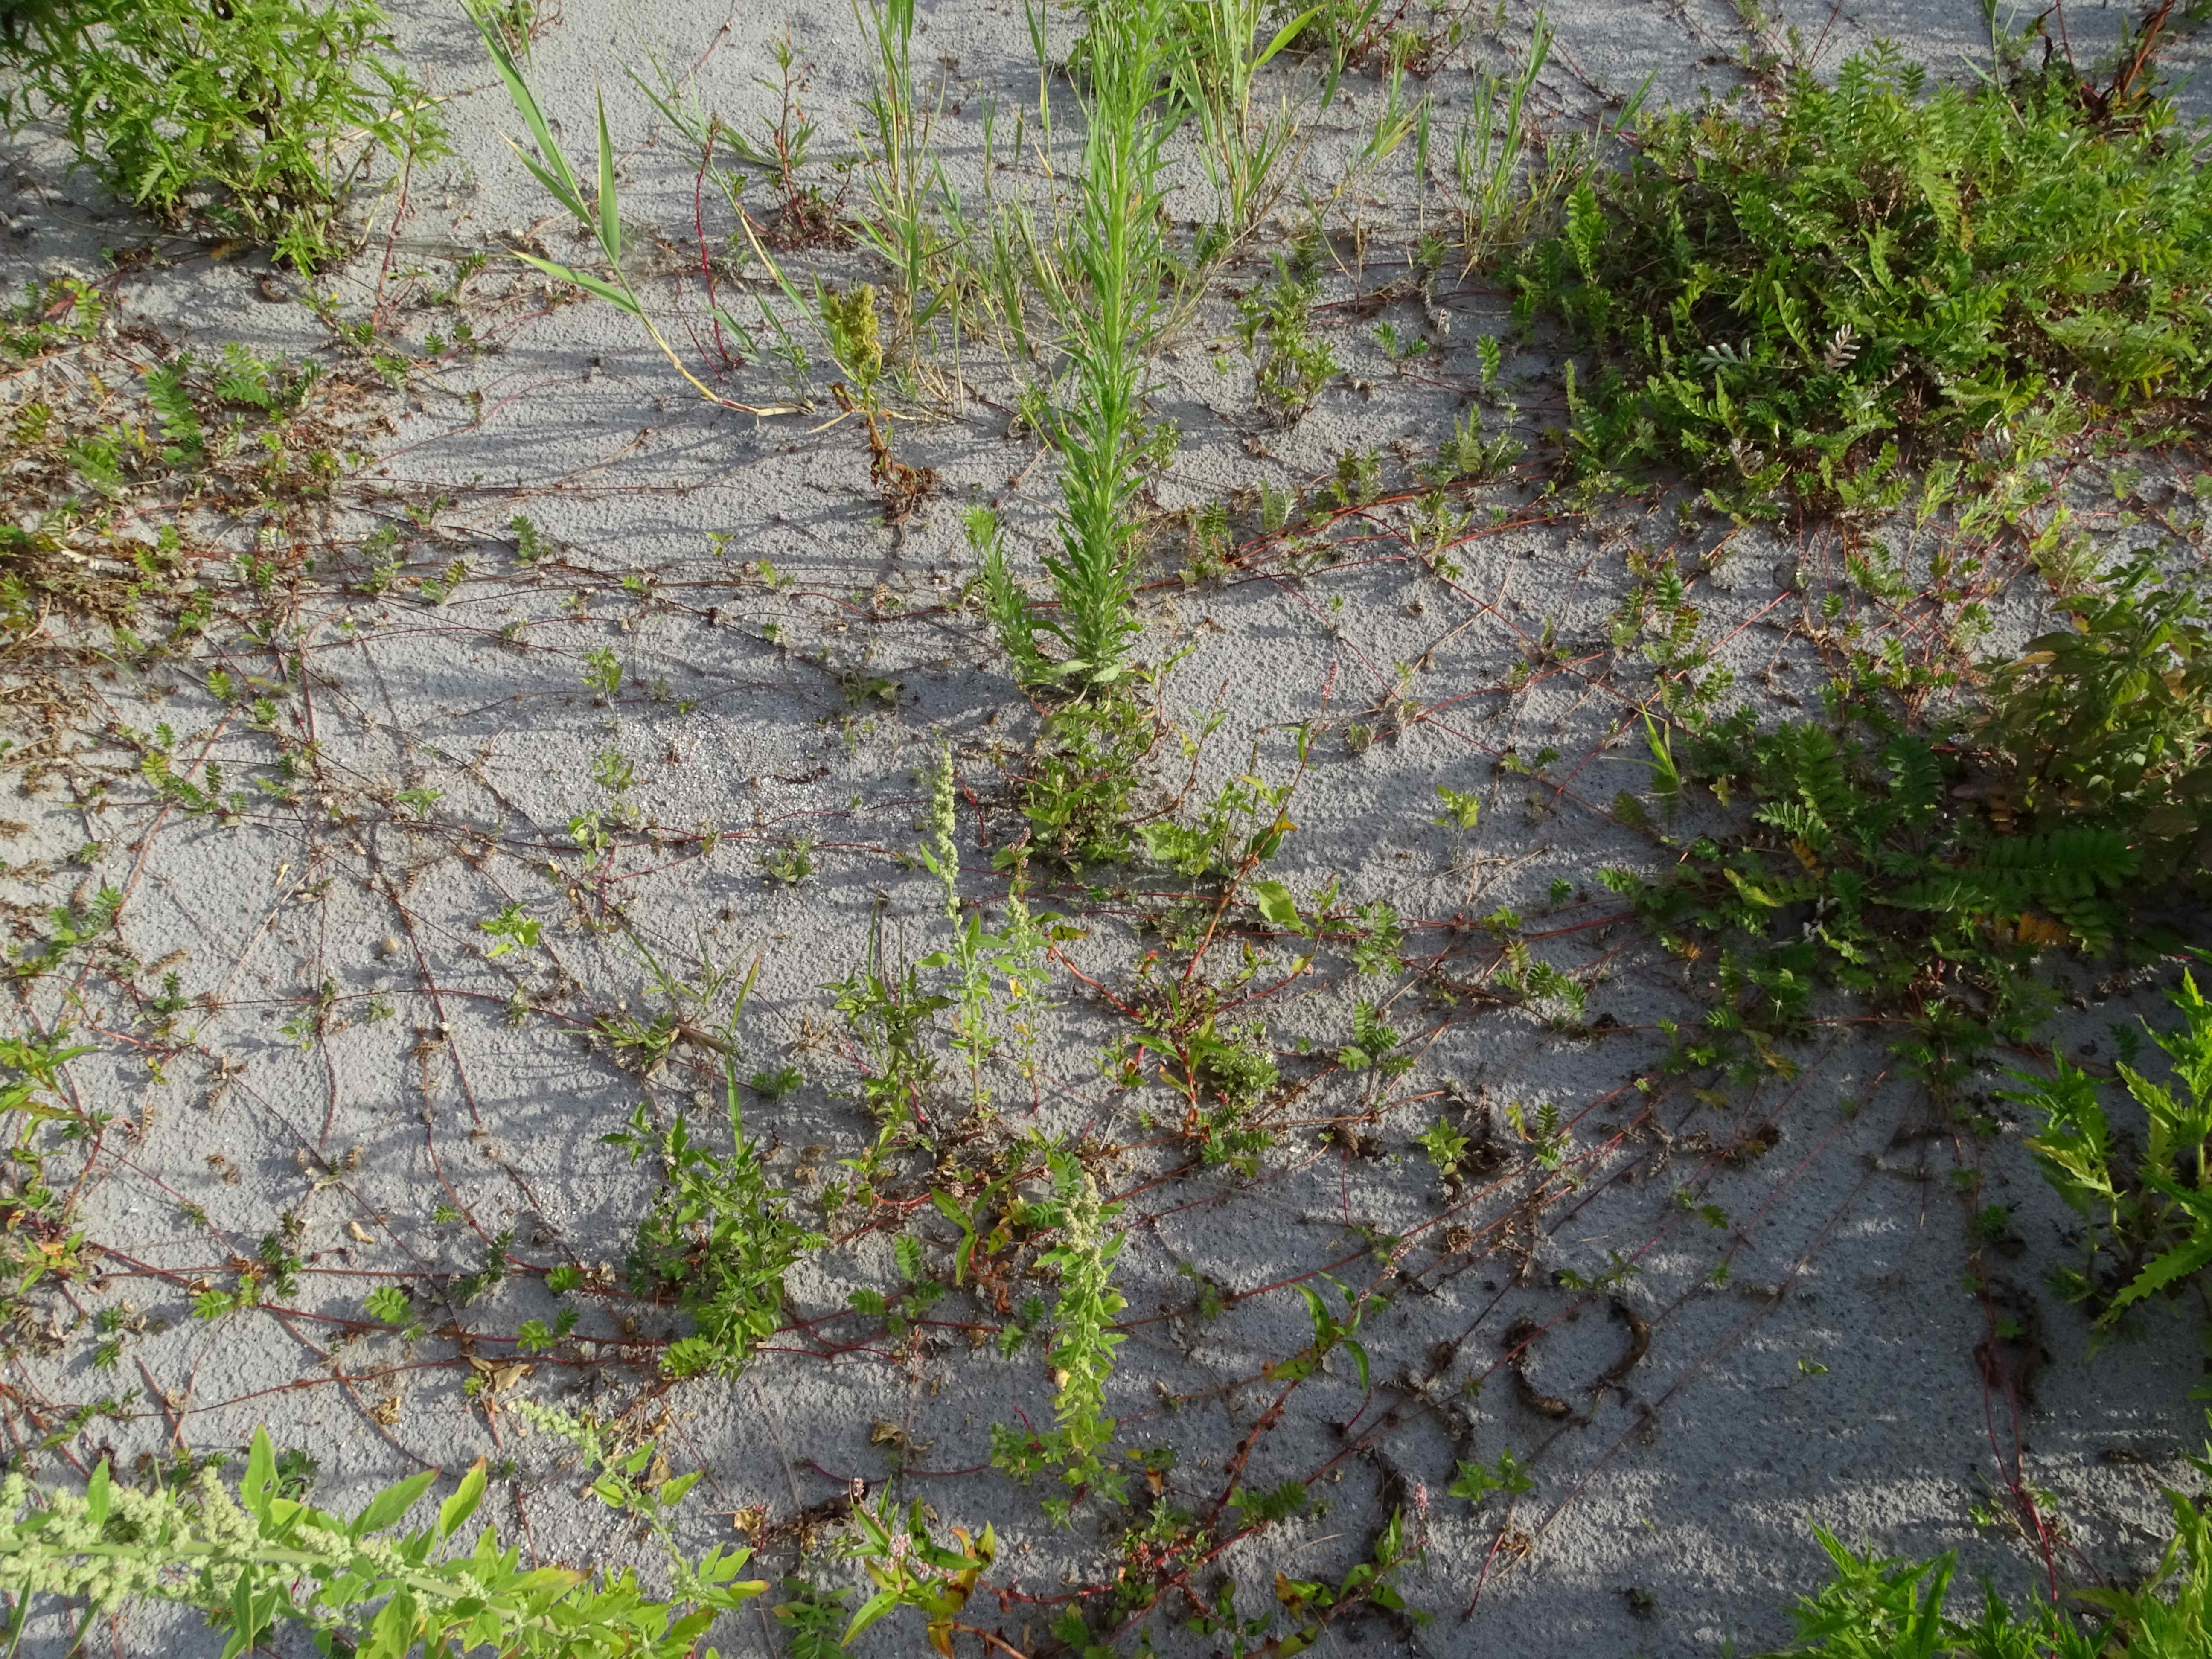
[[391, 945]]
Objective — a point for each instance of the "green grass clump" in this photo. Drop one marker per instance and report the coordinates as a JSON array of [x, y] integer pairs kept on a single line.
[[1800, 306], [254, 117]]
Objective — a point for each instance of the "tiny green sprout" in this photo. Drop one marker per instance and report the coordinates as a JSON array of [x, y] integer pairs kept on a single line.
[[511, 930], [420, 800], [603, 672], [1475, 1482], [1461, 808], [790, 864], [529, 546], [1445, 1146], [564, 1279], [1562, 889], [773, 1085], [613, 772]]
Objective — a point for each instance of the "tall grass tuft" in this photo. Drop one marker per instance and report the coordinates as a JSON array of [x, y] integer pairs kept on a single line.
[[907, 184], [598, 214], [1244, 146], [1509, 183]]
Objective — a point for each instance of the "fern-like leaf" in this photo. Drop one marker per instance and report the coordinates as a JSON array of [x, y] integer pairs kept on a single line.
[[172, 407]]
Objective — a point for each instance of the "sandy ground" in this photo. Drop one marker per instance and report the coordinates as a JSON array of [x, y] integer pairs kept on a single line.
[[1812, 1339]]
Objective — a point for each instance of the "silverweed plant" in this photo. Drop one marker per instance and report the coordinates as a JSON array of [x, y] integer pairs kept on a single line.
[[1803, 305], [256, 1560], [254, 118], [1110, 316]]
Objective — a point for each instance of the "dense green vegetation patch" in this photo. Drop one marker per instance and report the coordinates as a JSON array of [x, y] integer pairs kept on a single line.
[[1803, 304], [252, 116]]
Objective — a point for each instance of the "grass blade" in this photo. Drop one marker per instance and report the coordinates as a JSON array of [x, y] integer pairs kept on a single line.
[[610, 219]]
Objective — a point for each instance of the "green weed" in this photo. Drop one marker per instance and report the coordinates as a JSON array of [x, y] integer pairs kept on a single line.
[[1108, 320], [910, 1568], [1220, 47], [1861, 874], [255, 117], [1082, 1343], [1878, 1608], [719, 1235], [1291, 366], [2103, 723], [260, 1560], [2155, 1210], [1014, 954], [1081, 785], [599, 215], [890, 1016]]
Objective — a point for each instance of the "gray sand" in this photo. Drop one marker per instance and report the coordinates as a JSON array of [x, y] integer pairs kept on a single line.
[[1813, 1346]]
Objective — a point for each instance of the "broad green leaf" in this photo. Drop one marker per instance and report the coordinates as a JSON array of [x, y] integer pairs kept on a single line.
[[874, 1608], [1359, 1357], [463, 1503], [2176, 1264], [260, 1476], [1277, 906], [526, 103], [388, 1505], [1285, 35]]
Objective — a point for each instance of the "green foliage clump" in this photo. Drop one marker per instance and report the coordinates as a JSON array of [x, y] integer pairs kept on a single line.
[[2109, 723], [1858, 874], [1878, 1608], [1290, 368], [1801, 305], [64, 311], [2157, 1211], [1082, 787], [254, 117], [259, 1560], [1083, 1343], [718, 1237]]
